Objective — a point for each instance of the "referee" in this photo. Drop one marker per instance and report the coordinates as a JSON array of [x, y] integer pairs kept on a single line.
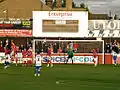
[[70, 55]]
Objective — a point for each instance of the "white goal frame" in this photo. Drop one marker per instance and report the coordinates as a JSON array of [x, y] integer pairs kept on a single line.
[[70, 41]]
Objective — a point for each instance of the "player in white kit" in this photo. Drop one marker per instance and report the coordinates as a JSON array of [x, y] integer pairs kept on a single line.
[[38, 64], [7, 61]]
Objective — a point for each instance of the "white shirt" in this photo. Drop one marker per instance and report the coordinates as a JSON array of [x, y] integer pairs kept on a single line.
[[38, 60], [114, 53]]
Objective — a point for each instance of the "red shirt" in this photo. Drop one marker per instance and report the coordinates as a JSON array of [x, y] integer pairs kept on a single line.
[[29, 54], [94, 54], [75, 45], [59, 50], [1, 49], [24, 54], [13, 47], [7, 51], [49, 52]]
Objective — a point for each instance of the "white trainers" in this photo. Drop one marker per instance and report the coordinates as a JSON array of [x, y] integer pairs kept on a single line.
[[35, 75], [51, 65], [95, 65], [47, 65], [5, 67], [38, 74]]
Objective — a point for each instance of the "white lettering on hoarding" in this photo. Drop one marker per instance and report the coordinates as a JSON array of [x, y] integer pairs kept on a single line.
[[103, 25], [61, 14], [11, 22], [110, 25], [118, 24]]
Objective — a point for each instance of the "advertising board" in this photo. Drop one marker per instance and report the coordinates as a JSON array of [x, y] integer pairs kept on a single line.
[[15, 24], [104, 28], [15, 33], [76, 59], [40, 16]]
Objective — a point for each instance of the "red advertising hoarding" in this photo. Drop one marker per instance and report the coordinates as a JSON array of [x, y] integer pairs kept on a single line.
[[15, 33]]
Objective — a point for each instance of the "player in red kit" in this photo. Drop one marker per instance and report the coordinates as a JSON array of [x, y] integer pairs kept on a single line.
[[60, 50], [29, 57], [13, 48], [24, 56], [15, 55], [95, 57], [13, 51], [49, 54], [75, 45]]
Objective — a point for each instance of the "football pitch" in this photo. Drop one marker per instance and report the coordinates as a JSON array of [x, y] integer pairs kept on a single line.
[[61, 77]]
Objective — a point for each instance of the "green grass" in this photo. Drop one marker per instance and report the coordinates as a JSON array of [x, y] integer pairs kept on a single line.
[[70, 77]]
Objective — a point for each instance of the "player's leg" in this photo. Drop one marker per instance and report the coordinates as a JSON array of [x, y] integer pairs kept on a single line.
[[31, 62], [71, 57], [12, 59], [95, 62], [5, 64], [35, 71], [51, 62], [48, 62], [16, 60], [23, 60], [67, 59], [27, 62], [114, 58], [39, 69]]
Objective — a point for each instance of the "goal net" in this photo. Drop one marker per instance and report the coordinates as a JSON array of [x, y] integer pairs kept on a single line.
[[83, 50]]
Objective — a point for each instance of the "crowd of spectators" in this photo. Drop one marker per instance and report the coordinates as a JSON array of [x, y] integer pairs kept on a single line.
[[63, 47], [8, 43], [58, 47]]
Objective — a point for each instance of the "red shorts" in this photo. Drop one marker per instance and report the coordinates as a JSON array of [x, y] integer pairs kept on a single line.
[[29, 60]]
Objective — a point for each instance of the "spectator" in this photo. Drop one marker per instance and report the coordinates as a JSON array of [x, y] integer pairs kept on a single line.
[[75, 45], [107, 48], [55, 48], [1, 48], [115, 43], [60, 50], [21, 47], [98, 50], [115, 48]]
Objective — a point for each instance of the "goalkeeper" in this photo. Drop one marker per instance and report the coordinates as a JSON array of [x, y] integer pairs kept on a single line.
[[70, 55]]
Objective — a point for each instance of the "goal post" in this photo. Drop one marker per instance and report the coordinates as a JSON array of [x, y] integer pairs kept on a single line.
[[82, 50]]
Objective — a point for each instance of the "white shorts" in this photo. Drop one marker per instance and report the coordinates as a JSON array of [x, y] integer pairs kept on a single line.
[[96, 60], [29, 59], [24, 59], [12, 53]]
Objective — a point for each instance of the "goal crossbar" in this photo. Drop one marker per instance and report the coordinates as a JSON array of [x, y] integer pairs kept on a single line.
[[69, 40]]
